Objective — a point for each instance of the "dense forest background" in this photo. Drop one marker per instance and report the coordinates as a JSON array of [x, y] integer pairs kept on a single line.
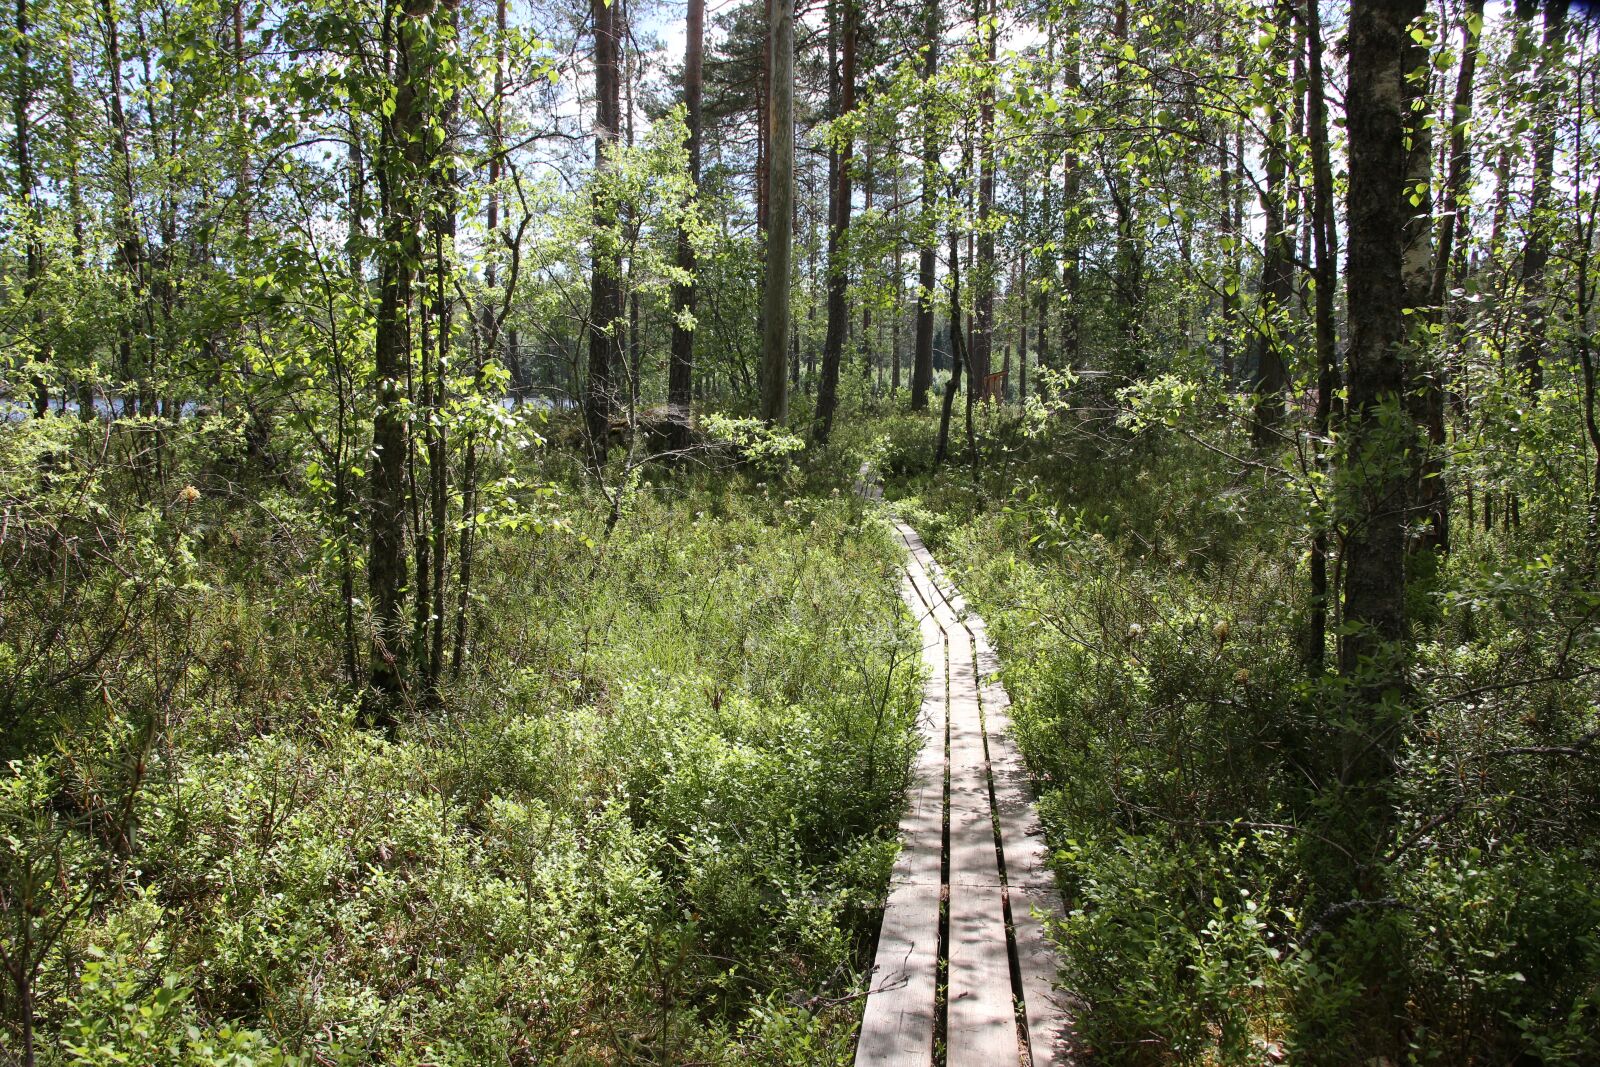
[[440, 621]]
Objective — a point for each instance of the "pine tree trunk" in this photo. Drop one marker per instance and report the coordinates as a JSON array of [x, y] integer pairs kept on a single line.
[[1379, 209], [983, 277], [866, 305], [33, 243], [780, 217], [130, 248], [958, 355], [1428, 279], [488, 342], [1325, 250], [1071, 193], [922, 356], [680, 371], [1022, 329], [899, 280], [839, 211], [1456, 201], [605, 284], [1128, 275], [1270, 377]]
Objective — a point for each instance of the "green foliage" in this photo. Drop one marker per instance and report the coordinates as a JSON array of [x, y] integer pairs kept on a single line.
[[763, 446], [118, 1018], [652, 821], [1150, 621], [1209, 954]]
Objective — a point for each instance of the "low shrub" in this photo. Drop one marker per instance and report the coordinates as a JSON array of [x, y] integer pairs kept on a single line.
[[652, 820]]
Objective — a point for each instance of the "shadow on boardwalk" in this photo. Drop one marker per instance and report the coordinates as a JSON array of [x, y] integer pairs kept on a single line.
[[962, 961]]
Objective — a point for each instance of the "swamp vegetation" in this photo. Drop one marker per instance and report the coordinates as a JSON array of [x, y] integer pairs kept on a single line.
[[441, 620]]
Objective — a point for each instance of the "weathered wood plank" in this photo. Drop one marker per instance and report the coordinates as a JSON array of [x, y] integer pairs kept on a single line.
[[922, 826], [1022, 839], [1048, 1015], [973, 859], [1027, 859], [898, 1025], [947, 588], [1033, 895], [922, 829], [981, 1022], [989, 788]]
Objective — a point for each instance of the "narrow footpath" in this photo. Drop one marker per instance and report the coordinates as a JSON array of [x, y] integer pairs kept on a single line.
[[962, 966]]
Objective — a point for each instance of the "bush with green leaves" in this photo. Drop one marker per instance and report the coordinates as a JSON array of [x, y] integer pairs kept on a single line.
[[651, 821], [1149, 612]]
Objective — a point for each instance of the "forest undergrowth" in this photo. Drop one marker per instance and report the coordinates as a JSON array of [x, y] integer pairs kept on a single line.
[[650, 820], [1147, 594]]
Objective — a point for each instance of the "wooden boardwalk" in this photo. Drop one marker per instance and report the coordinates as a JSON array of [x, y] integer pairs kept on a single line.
[[963, 973]]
